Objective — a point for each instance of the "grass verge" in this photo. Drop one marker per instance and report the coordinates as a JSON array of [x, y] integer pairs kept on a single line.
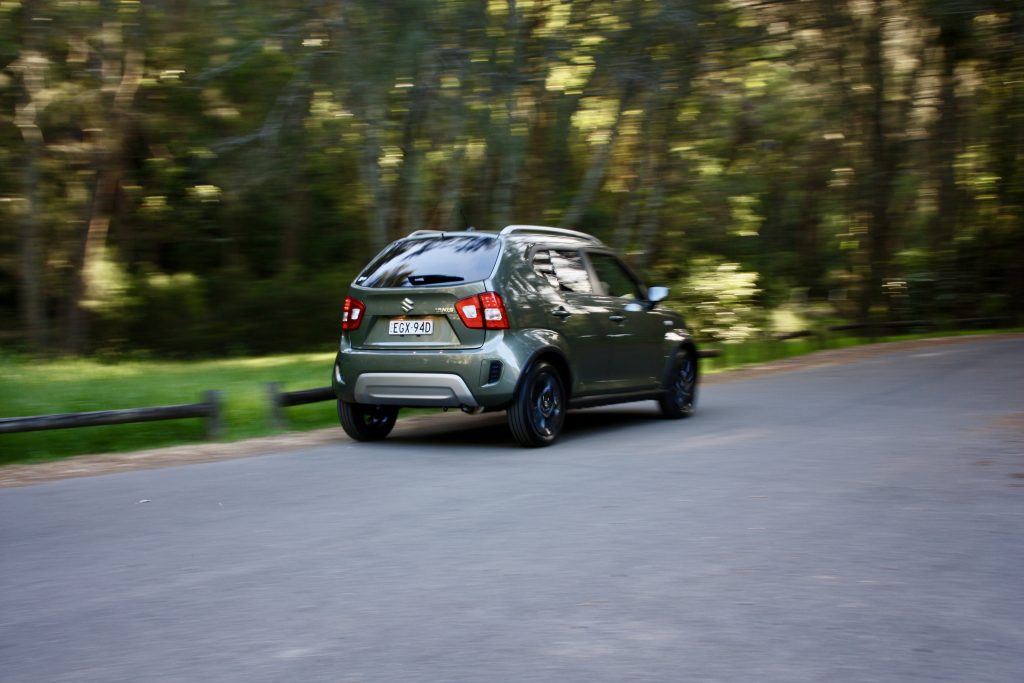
[[78, 385], [753, 352]]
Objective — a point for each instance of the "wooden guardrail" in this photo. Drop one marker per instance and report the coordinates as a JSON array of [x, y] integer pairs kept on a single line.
[[279, 400], [210, 409]]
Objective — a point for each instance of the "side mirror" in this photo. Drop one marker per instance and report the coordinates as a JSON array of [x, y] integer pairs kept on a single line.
[[656, 294]]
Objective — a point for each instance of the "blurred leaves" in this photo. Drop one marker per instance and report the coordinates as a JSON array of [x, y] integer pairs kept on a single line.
[[720, 300], [222, 164]]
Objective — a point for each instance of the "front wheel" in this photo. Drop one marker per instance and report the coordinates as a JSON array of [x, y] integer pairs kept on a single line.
[[538, 409], [365, 422], [681, 390]]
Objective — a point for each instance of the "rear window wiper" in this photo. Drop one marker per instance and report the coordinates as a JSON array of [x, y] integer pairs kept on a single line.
[[434, 279]]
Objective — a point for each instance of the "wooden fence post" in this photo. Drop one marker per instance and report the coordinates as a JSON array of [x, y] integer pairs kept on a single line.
[[277, 418], [214, 422]]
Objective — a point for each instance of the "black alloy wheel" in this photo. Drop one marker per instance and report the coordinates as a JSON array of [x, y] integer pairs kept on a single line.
[[681, 389], [366, 422], [538, 410]]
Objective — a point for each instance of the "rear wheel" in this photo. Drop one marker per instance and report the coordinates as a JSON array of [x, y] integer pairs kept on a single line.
[[538, 409], [365, 422], [681, 391]]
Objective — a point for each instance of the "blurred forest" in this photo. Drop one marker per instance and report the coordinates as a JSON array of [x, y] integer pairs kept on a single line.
[[205, 177]]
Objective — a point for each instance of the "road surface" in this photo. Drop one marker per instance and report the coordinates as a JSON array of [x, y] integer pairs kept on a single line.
[[854, 522]]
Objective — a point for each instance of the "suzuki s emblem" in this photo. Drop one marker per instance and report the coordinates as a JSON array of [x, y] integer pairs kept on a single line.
[[407, 304]]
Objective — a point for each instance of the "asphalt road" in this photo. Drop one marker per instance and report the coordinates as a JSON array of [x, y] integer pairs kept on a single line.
[[858, 522]]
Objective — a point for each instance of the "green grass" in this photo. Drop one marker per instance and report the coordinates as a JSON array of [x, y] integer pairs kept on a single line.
[[77, 385], [752, 352], [32, 387]]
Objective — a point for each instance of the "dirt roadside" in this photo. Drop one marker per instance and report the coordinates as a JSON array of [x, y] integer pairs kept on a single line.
[[91, 465]]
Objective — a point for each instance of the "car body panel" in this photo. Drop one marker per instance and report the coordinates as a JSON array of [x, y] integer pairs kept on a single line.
[[607, 347], [473, 366], [636, 344], [434, 303]]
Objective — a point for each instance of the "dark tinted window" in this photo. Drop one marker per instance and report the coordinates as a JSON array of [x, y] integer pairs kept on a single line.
[[432, 261], [564, 270], [613, 278]]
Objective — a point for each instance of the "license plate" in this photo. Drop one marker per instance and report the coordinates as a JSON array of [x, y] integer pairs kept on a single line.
[[402, 328]]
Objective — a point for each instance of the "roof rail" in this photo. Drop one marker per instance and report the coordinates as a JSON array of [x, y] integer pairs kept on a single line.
[[544, 230], [445, 233]]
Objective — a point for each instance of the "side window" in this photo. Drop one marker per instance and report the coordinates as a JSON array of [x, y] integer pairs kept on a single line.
[[614, 279], [564, 270]]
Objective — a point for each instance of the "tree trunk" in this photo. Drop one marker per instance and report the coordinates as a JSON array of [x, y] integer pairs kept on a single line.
[[109, 165], [810, 259], [625, 224], [651, 221], [30, 250], [658, 168], [297, 198], [947, 142], [32, 66], [449, 213], [380, 210], [511, 147], [90, 251], [294, 222], [627, 212], [598, 166], [1009, 142], [411, 181], [880, 176]]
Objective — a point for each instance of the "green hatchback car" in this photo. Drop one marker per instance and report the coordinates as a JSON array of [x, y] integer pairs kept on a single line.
[[533, 320]]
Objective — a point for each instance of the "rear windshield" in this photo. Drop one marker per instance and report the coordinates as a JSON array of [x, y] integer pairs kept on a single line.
[[434, 261]]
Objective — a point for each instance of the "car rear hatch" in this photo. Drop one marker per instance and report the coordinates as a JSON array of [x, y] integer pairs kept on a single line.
[[411, 289], [415, 319]]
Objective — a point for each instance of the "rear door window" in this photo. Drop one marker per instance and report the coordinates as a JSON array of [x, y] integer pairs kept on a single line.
[[433, 261], [564, 270]]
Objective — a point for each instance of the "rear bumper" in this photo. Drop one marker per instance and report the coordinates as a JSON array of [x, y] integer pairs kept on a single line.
[[429, 377], [419, 389]]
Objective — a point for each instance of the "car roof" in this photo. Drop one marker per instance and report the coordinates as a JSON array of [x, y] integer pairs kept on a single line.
[[516, 232]]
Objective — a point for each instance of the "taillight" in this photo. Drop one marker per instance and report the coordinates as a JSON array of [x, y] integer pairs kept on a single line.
[[483, 311], [469, 310], [352, 314], [495, 317]]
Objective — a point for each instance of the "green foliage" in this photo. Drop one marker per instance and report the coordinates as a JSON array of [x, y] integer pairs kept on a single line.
[[719, 300], [205, 179], [182, 315]]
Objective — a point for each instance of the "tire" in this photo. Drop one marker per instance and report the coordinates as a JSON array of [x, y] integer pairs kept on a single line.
[[538, 408], [681, 387], [365, 422]]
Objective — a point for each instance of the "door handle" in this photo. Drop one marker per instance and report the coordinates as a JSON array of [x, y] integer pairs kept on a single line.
[[560, 312], [616, 318]]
